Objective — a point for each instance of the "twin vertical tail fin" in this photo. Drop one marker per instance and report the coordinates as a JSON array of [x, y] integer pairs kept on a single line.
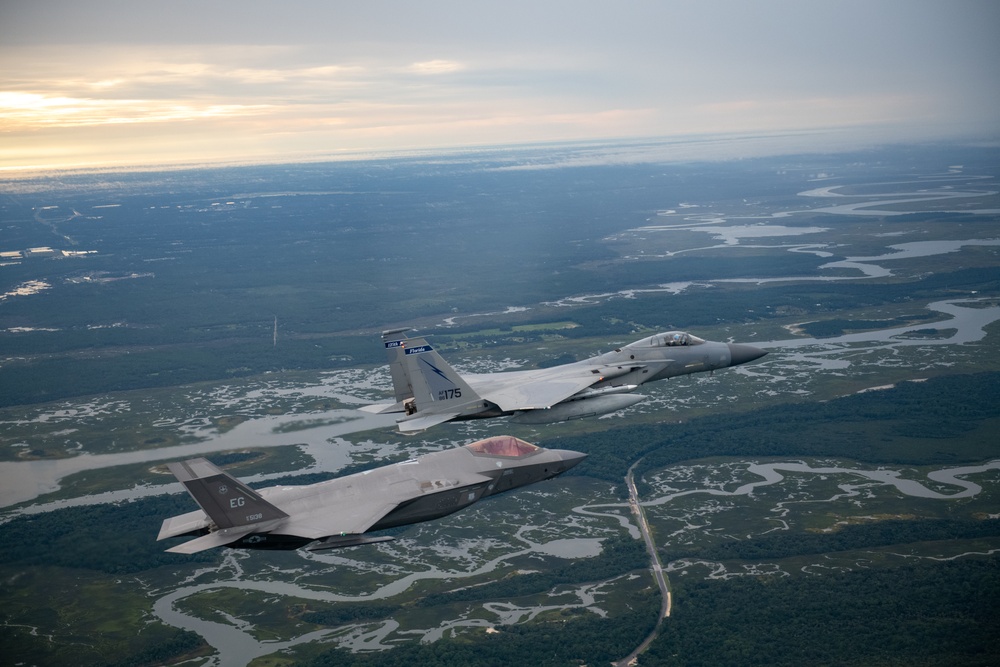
[[433, 380], [440, 394], [395, 342], [234, 510], [426, 388], [227, 501]]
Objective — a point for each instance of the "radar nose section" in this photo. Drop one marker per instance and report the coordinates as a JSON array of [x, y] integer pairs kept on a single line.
[[741, 354], [568, 457]]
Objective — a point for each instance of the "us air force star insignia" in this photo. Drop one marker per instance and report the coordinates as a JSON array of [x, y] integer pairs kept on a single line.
[[223, 489]]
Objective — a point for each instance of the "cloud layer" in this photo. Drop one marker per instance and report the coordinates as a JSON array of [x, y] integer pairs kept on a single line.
[[104, 83]]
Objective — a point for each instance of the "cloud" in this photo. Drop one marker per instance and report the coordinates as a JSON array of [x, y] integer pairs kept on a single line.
[[435, 67], [28, 111], [249, 79]]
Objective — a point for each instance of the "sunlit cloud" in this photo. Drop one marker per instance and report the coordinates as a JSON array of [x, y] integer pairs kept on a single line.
[[278, 83], [26, 111], [436, 67], [107, 83], [272, 76]]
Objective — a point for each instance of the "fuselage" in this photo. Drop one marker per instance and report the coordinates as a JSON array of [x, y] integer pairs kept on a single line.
[[669, 355], [420, 489], [622, 370], [428, 391]]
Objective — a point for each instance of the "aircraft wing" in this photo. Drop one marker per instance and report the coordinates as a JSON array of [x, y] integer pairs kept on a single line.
[[340, 519], [538, 389], [421, 422], [352, 505], [513, 391]]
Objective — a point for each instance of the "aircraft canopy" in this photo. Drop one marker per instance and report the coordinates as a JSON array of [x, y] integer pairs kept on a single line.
[[503, 445], [674, 338]]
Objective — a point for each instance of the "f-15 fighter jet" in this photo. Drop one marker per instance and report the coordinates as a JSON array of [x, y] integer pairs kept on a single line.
[[429, 392], [340, 512]]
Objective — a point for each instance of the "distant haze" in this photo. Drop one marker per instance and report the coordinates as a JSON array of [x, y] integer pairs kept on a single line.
[[110, 83]]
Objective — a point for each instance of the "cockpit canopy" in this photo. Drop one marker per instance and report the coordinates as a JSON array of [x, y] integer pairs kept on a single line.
[[668, 339], [503, 445]]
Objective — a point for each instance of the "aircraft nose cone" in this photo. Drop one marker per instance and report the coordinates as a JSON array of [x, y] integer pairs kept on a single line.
[[569, 457], [741, 354]]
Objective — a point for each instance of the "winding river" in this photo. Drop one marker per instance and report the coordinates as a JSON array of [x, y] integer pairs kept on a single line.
[[236, 646], [21, 481]]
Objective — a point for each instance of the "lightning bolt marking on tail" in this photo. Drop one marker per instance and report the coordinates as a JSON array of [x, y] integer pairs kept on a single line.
[[437, 370]]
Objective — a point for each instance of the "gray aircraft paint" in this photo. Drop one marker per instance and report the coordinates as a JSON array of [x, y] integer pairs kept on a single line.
[[341, 511], [428, 391]]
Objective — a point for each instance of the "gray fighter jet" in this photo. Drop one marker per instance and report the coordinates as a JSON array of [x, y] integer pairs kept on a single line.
[[429, 392], [341, 511]]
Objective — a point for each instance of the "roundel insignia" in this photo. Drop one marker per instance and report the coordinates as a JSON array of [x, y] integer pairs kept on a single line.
[[223, 489]]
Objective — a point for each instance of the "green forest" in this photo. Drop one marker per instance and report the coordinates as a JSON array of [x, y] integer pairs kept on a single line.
[[925, 614], [119, 360]]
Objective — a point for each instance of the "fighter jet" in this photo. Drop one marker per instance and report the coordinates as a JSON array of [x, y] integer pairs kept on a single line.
[[429, 392], [341, 512]]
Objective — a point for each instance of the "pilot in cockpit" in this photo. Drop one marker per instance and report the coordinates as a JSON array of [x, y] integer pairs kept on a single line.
[[676, 338]]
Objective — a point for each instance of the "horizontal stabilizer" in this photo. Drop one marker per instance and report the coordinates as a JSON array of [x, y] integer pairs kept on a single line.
[[184, 524], [219, 538], [382, 408]]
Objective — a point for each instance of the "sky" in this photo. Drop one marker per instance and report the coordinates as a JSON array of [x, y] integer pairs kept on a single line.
[[106, 83]]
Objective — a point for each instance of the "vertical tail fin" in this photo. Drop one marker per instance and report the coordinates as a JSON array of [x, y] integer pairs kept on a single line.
[[227, 501], [434, 381], [395, 342], [439, 392]]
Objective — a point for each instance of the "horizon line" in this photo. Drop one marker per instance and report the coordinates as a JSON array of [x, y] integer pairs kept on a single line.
[[376, 154]]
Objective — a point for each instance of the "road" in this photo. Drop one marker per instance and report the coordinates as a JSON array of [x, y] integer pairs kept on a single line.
[[656, 567]]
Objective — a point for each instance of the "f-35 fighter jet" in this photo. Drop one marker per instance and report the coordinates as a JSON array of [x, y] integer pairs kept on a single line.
[[340, 512], [429, 392]]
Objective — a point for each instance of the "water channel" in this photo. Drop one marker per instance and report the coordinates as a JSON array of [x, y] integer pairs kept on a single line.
[[25, 480], [236, 645]]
